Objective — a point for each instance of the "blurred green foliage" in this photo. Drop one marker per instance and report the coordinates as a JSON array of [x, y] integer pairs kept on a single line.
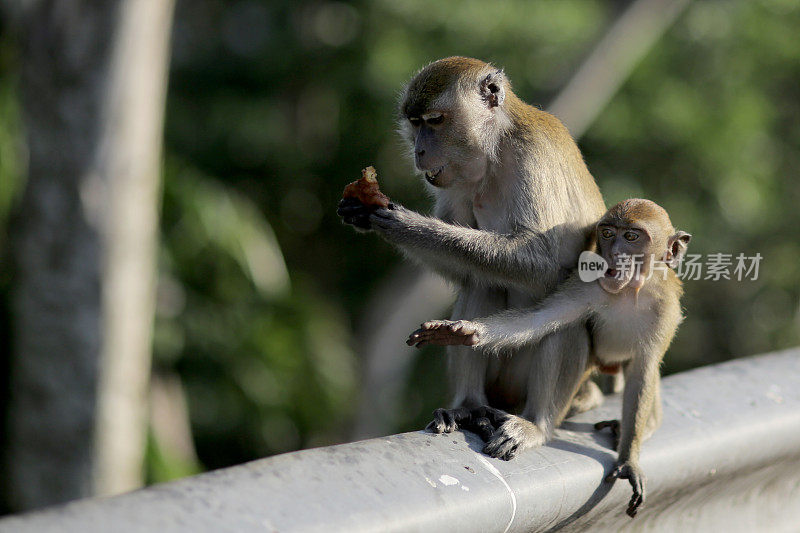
[[274, 106]]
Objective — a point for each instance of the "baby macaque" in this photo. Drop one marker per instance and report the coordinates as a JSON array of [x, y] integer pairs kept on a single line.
[[632, 310]]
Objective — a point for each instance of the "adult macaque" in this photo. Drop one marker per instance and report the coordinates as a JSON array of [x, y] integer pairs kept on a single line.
[[633, 314], [514, 207]]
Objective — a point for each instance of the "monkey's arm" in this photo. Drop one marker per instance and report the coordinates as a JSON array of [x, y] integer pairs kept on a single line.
[[525, 259], [512, 329]]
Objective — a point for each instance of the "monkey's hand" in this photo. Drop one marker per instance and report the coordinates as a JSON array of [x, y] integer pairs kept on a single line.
[[630, 471], [355, 213], [615, 429], [445, 332]]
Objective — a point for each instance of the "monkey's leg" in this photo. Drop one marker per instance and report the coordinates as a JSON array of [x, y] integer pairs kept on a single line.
[[557, 367], [641, 414], [654, 421], [652, 424], [467, 370]]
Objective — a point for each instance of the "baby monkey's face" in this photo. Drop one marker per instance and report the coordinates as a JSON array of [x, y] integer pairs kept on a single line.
[[629, 251], [631, 236]]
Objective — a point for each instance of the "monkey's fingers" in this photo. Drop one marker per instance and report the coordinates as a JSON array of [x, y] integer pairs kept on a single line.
[[360, 221], [352, 207], [495, 416], [636, 501], [421, 335], [443, 335], [635, 477], [501, 446], [440, 338], [350, 201], [613, 424], [633, 506], [482, 427], [448, 420], [462, 327], [436, 324]]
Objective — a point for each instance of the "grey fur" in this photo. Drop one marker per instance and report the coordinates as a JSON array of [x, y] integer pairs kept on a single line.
[[514, 205]]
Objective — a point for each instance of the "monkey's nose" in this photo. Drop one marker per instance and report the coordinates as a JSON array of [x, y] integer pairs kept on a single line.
[[420, 153]]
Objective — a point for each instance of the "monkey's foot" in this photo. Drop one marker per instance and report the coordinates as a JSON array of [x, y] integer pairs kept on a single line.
[[448, 420], [634, 475], [445, 332], [481, 426], [615, 429], [484, 421], [588, 397], [513, 436]]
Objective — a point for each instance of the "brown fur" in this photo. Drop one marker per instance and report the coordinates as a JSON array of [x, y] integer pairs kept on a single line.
[[515, 204], [629, 329]]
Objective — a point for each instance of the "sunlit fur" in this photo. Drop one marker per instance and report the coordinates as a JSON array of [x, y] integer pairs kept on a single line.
[[625, 331], [511, 216]]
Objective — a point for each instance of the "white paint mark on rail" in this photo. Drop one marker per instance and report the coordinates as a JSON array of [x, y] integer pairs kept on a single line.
[[496, 473], [447, 480]]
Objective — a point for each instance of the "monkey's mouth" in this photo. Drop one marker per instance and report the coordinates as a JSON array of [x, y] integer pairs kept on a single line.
[[431, 175], [614, 280]]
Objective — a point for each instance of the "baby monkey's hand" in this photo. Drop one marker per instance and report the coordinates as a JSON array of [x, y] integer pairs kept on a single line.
[[444, 333]]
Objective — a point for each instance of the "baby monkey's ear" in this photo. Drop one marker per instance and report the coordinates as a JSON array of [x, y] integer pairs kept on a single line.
[[677, 245]]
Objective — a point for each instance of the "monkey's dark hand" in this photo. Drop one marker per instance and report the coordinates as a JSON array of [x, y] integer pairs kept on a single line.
[[634, 475], [445, 333], [615, 430], [355, 213]]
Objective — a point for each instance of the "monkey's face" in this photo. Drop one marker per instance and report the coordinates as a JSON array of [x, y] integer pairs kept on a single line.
[[631, 236], [446, 147], [449, 118], [628, 251]]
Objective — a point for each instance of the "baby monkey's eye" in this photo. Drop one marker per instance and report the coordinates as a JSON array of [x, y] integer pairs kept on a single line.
[[415, 121], [631, 236], [607, 233]]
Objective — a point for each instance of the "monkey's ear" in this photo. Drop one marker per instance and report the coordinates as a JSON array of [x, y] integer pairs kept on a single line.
[[492, 90], [677, 245]]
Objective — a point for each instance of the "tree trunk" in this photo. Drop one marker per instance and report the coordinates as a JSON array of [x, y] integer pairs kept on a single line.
[[93, 85]]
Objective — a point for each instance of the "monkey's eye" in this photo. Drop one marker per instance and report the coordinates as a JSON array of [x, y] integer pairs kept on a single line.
[[415, 121], [607, 233], [631, 236], [433, 118]]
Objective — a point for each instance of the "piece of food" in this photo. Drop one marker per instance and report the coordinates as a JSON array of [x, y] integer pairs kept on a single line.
[[366, 190]]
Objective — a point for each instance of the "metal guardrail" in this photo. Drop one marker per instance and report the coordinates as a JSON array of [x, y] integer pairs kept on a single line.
[[727, 458]]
